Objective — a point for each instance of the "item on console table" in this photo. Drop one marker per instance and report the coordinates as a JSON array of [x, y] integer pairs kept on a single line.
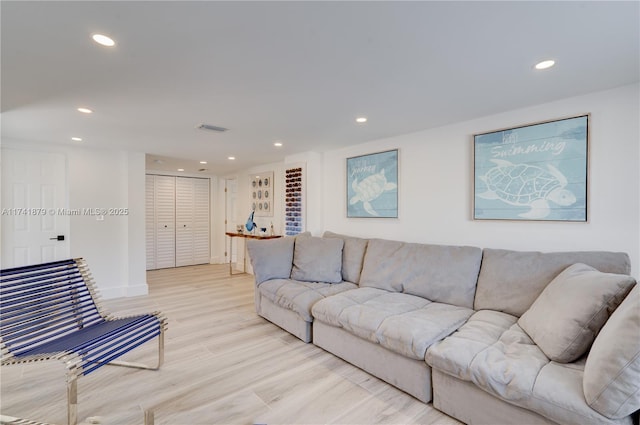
[[250, 223]]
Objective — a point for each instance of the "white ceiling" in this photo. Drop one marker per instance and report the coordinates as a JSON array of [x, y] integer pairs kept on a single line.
[[297, 72]]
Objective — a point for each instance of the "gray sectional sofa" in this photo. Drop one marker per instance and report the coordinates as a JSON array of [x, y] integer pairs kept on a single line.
[[490, 336]]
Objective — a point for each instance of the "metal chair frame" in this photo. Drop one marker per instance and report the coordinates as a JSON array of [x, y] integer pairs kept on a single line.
[[53, 311]]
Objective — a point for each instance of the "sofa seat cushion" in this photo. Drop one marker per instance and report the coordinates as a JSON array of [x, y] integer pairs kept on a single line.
[[455, 354], [612, 372], [403, 323], [494, 353], [558, 395], [509, 367], [300, 296]]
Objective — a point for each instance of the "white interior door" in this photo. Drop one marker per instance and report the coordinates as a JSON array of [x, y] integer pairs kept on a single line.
[[231, 214], [35, 216]]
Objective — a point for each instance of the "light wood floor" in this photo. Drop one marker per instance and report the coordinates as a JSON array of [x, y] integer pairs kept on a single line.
[[223, 365]]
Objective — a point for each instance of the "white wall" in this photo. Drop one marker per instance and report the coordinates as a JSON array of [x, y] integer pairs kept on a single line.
[[136, 247], [435, 183], [114, 247]]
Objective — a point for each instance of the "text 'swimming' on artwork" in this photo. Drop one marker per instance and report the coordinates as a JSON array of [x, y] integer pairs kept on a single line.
[[533, 172], [372, 185]]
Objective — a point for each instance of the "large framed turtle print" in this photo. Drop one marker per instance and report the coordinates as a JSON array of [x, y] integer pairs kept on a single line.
[[534, 172], [372, 185]]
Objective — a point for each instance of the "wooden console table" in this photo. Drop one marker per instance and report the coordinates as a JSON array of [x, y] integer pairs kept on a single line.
[[244, 236]]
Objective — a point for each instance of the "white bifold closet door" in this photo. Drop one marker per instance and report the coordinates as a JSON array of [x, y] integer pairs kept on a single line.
[[177, 221], [192, 221]]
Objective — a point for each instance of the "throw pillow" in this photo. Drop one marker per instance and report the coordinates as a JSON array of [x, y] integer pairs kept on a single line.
[[566, 317], [612, 373], [317, 260], [271, 258]]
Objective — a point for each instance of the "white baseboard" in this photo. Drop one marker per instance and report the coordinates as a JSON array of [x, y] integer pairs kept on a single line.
[[137, 290], [123, 291]]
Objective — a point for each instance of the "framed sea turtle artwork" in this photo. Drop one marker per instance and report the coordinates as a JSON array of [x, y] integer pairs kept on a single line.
[[372, 185], [533, 172]]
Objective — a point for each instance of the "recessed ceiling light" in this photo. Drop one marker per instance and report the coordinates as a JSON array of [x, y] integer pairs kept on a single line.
[[203, 162], [103, 40], [361, 120], [77, 139], [231, 158], [545, 64], [277, 144], [180, 169], [85, 110]]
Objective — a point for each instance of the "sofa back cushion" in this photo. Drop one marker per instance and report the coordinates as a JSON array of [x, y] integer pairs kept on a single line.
[[612, 373], [352, 256], [317, 259], [440, 273], [510, 281], [271, 258]]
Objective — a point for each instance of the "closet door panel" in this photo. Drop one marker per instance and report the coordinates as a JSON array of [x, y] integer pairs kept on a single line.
[[165, 213], [201, 220], [184, 200], [184, 221], [150, 222]]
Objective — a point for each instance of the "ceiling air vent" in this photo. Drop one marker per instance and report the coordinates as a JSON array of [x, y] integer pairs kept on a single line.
[[212, 127]]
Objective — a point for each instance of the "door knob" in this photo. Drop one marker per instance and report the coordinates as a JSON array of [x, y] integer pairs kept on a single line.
[[57, 238]]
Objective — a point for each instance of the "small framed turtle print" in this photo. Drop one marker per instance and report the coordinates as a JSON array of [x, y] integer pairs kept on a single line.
[[372, 185], [533, 172]]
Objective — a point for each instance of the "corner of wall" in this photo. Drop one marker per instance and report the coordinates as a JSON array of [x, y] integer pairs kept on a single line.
[[136, 240]]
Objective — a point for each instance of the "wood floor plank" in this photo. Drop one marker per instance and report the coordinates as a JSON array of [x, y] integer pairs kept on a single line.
[[223, 365]]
